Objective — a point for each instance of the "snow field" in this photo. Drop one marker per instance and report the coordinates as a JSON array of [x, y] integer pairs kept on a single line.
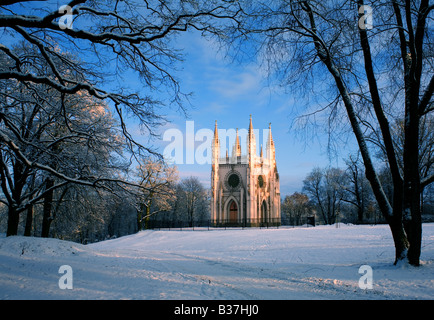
[[285, 263]]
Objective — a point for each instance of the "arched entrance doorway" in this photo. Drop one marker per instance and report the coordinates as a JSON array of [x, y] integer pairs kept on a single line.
[[264, 212], [233, 212]]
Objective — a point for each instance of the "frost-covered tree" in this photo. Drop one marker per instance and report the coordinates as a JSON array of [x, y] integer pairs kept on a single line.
[[158, 182], [51, 140]]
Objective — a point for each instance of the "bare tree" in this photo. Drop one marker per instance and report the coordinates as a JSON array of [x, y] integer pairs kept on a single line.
[[358, 193], [375, 73], [296, 207], [326, 187]]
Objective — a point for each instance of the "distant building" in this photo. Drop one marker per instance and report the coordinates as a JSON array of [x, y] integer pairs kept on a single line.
[[245, 189]]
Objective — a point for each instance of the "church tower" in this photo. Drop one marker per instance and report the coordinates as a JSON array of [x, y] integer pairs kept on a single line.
[[245, 189]]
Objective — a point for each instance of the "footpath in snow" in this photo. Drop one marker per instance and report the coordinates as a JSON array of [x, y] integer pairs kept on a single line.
[[285, 263]]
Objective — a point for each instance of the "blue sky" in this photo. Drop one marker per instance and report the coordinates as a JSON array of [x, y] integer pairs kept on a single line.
[[230, 92]]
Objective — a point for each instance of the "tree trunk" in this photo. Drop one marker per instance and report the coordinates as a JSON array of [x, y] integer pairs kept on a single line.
[[29, 220], [399, 239], [14, 199], [411, 212], [139, 218], [359, 214], [147, 216], [48, 202], [411, 203], [30, 211], [13, 220], [413, 229]]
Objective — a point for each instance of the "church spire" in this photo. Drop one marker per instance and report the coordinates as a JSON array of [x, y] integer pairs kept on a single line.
[[270, 145], [269, 133], [216, 133], [237, 148], [251, 143], [250, 126], [215, 145]]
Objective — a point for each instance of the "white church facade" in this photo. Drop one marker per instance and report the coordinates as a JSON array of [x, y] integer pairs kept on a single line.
[[245, 188]]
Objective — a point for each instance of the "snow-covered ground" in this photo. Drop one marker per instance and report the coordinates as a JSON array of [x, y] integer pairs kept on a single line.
[[285, 263]]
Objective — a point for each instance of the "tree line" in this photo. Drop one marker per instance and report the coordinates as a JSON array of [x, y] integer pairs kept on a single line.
[[334, 195], [347, 193], [86, 215]]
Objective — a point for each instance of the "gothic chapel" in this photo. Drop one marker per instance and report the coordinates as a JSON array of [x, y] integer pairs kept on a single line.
[[245, 189]]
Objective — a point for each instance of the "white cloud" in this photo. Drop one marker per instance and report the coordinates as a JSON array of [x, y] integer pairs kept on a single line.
[[237, 85]]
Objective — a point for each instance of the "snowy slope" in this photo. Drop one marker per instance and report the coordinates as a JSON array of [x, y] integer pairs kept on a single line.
[[285, 263]]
